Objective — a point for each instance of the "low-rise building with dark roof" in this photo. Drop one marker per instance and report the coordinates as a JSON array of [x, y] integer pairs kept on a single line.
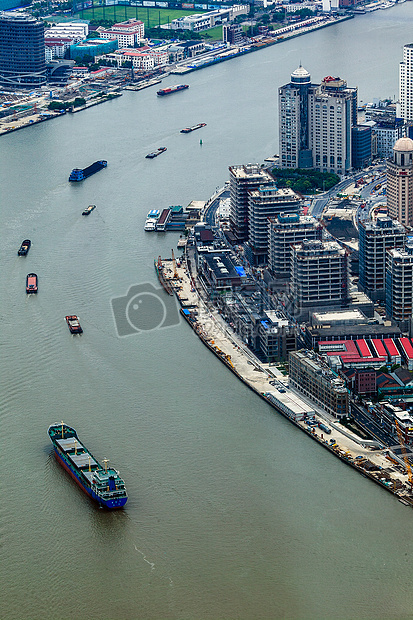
[[58, 71], [403, 376], [185, 49], [383, 379], [219, 271], [360, 382]]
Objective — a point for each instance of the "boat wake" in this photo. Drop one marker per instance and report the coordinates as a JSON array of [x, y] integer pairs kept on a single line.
[[151, 564]]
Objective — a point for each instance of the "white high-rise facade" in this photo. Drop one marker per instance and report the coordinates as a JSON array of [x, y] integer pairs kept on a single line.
[[241, 179], [406, 83], [333, 112]]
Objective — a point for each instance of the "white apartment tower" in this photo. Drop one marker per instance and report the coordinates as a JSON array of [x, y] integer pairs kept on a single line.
[[406, 83], [333, 112], [263, 203], [400, 182], [242, 179], [315, 122], [286, 230]]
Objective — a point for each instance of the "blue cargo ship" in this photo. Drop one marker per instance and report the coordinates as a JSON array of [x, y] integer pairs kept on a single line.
[[103, 484], [78, 174]]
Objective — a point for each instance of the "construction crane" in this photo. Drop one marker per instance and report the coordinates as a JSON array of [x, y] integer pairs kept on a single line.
[[405, 457], [176, 276]]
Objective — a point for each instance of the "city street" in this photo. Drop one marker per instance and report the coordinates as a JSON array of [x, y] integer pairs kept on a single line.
[[320, 202]]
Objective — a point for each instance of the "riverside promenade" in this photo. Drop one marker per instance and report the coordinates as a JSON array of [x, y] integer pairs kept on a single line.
[[366, 456]]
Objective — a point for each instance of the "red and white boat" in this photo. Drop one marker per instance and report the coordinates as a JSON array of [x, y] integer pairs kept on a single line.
[[73, 323], [31, 283]]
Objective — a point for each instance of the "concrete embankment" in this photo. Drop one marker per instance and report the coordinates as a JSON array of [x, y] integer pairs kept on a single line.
[[91, 104], [144, 84], [8, 126], [225, 344], [12, 123], [255, 47]]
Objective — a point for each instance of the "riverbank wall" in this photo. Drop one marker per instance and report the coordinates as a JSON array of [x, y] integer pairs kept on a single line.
[[407, 500], [28, 120], [259, 46]]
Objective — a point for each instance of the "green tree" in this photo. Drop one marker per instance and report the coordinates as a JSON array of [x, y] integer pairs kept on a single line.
[[304, 181], [278, 16], [252, 31], [57, 105]]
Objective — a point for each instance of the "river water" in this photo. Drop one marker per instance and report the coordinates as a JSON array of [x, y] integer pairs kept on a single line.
[[232, 512]]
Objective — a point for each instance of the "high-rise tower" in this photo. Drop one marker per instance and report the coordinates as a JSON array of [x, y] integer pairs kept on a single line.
[[242, 179], [263, 203], [22, 55], [319, 276], [293, 121], [333, 113], [406, 83], [399, 285], [315, 123], [375, 239], [400, 182]]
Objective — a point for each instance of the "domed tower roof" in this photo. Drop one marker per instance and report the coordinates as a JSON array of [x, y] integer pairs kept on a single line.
[[403, 145], [300, 75]]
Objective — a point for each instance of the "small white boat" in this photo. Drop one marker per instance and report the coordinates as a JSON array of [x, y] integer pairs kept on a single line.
[[150, 225]]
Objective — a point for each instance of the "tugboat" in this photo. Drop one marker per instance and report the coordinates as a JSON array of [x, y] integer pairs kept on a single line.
[[189, 129], [78, 174], [103, 484], [172, 89], [31, 283], [73, 323], [24, 248], [161, 149], [88, 209]]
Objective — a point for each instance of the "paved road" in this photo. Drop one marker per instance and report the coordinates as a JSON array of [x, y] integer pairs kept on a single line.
[[371, 426], [318, 204], [211, 211]]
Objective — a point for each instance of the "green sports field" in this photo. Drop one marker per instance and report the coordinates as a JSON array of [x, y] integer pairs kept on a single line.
[[151, 17]]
